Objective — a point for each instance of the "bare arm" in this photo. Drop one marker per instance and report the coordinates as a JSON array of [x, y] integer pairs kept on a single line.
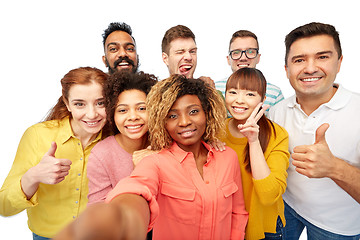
[[126, 217]]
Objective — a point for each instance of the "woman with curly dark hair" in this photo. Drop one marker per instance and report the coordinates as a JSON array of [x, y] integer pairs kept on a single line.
[[111, 159], [186, 190]]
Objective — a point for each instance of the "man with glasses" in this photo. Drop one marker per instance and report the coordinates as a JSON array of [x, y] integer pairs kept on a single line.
[[244, 52]]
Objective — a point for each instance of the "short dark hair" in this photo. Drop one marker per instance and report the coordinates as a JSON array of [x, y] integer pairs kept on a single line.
[[241, 34], [310, 30], [179, 31], [117, 26], [119, 82]]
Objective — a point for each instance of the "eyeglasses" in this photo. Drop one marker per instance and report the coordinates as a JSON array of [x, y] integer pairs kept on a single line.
[[249, 53]]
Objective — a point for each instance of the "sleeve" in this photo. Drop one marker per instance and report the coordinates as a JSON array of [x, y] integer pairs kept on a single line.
[[271, 188], [144, 181], [279, 97], [12, 198], [99, 180], [239, 215]]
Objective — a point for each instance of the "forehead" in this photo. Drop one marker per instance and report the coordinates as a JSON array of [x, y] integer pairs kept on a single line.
[[182, 43], [185, 101], [243, 43], [89, 91], [119, 37], [132, 96], [312, 45]]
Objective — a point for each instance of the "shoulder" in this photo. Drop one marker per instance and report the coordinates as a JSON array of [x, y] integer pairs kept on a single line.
[[270, 86], [108, 146], [227, 154], [279, 130]]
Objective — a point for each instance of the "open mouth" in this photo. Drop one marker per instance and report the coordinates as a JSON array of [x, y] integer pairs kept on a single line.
[[187, 133], [92, 123], [312, 79], [134, 128], [239, 109], [184, 69]]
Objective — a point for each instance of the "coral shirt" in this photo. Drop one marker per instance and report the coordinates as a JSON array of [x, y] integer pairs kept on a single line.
[[184, 205]]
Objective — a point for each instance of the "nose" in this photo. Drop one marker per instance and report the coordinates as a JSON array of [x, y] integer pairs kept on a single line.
[[91, 112], [184, 120], [187, 55], [122, 51], [133, 114], [310, 67], [240, 98]]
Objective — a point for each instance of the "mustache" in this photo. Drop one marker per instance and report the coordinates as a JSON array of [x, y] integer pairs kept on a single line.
[[126, 59]]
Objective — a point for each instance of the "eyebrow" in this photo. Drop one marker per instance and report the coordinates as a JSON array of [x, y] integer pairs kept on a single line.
[[137, 104], [116, 43], [82, 100], [317, 54]]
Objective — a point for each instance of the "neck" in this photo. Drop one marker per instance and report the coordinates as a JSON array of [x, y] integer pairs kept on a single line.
[[233, 123], [310, 103], [84, 137], [132, 145]]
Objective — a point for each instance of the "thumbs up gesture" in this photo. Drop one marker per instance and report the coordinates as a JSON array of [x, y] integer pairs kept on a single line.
[[316, 160], [51, 170]]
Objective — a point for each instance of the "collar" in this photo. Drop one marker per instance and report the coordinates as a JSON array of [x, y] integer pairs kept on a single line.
[[338, 101], [180, 155]]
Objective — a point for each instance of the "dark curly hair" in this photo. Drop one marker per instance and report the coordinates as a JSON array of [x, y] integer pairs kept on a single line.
[[120, 82], [164, 94], [117, 26]]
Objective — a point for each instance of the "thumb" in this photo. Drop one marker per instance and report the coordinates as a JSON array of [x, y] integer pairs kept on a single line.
[[52, 150], [320, 133]]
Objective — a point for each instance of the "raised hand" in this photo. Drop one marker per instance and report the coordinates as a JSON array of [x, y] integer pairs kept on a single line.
[[251, 129], [49, 170], [316, 160]]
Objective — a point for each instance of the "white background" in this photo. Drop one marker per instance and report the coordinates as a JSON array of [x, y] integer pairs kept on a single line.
[[42, 40]]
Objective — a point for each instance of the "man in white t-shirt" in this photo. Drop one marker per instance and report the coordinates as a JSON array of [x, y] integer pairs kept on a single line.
[[323, 185], [244, 52]]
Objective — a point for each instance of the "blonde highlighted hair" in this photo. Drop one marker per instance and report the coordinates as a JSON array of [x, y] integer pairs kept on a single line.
[[164, 94]]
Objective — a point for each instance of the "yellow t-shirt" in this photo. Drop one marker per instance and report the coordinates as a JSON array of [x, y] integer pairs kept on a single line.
[[263, 197], [52, 206]]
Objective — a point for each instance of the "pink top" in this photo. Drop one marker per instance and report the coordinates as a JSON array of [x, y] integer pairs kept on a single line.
[[184, 205], [108, 164]]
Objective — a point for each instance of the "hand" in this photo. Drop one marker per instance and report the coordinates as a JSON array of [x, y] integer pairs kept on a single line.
[[208, 80], [51, 170], [250, 129], [140, 154], [218, 145], [316, 160]]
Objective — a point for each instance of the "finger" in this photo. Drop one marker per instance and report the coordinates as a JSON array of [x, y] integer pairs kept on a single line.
[[64, 162], [255, 111], [260, 112], [52, 150], [301, 149], [320, 133]]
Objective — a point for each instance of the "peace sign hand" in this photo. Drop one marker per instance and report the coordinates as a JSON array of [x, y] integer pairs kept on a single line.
[[250, 129]]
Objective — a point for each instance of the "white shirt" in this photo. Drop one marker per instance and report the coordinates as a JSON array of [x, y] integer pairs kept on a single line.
[[320, 200]]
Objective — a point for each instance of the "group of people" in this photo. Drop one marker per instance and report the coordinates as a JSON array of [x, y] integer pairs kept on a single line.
[[123, 155]]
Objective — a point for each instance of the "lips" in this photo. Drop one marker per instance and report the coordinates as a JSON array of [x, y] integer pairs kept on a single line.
[[312, 79], [185, 68], [124, 62], [134, 128], [187, 133], [92, 123], [239, 109]]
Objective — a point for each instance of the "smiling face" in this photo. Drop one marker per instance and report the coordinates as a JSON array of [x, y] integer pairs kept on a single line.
[[86, 105], [241, 103], [131, 117], [182, 57], [312, 66], [120, 52], [186, 122], [243, 43]]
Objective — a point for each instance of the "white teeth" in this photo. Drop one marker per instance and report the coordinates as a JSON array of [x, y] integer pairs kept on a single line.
[[133, 127], [123, 64], [91, 123], [187, 133], [239, 109], [310, 79]]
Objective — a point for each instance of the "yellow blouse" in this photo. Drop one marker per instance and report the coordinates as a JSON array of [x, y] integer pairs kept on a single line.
[[52, 206]]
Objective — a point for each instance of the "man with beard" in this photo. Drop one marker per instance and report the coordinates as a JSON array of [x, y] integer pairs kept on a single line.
[[119, 48]]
